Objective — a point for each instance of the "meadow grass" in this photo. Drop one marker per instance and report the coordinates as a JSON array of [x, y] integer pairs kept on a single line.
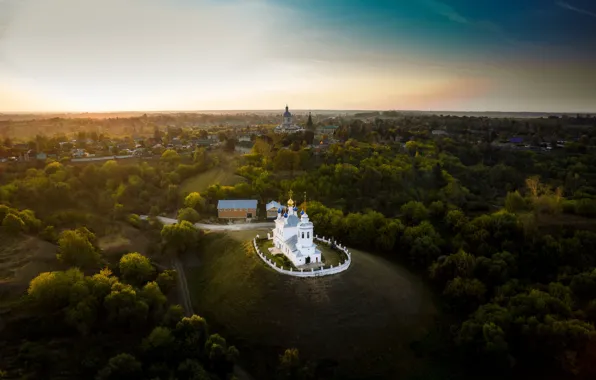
[[223, 175], [361, 322]]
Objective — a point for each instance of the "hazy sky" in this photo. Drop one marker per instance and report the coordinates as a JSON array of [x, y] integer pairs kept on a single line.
[[111, 55]]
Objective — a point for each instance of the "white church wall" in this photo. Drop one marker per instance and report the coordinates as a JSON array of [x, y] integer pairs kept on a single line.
[[308, 273]]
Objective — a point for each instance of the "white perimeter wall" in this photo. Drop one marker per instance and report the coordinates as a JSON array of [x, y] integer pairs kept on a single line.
[[313, 272]]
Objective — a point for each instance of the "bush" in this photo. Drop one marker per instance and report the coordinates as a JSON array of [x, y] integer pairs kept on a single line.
[[49, 234], [32, 223], [167, 280], [4, 210], [568, 206], [136, 269], [188, 214], [134, 220], [585, 207], [13, 224], [77, 248]]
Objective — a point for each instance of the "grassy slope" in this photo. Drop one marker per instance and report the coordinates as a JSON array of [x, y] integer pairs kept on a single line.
[[22, 257], [363, 319], [201, 182]]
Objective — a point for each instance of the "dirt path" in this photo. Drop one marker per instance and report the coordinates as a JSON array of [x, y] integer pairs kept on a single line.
[[183, 287], [184, 294], [218, 227]]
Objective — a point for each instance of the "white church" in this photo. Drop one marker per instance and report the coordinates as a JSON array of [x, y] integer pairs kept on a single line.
[[293, 236], [287, 125]]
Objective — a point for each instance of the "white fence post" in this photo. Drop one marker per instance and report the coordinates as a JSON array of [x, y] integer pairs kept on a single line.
[[312, 273]]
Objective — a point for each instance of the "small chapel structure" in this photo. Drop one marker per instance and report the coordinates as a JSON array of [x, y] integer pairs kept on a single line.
[[287, 125], [293, 235]]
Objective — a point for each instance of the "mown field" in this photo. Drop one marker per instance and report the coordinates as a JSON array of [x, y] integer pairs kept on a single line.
[[358, 324], [222, 175]]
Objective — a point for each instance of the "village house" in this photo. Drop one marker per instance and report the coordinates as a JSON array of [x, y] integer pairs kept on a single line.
[[237, 209]]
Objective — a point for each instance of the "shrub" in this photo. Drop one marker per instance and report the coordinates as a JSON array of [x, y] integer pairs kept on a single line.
[[188, 214], [13, 224]]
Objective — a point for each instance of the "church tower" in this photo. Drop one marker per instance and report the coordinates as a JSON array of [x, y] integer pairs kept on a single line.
[[287, 121], [305, 231]]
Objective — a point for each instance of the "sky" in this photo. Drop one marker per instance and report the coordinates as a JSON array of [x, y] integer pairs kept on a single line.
[[430, 55]]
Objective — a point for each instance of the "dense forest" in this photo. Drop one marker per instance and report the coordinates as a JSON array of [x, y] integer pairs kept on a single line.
[[505, 237]]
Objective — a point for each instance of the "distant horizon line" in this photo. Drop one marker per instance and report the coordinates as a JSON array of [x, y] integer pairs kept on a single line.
[[591, 113]]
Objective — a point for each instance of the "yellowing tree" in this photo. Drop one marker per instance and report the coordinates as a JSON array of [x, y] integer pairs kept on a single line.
[[136, 269]]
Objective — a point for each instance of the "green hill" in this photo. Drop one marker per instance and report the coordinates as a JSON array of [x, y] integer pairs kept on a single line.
[[361, 321]]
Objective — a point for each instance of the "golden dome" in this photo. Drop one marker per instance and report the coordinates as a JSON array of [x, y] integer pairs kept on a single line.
[[290, 202]]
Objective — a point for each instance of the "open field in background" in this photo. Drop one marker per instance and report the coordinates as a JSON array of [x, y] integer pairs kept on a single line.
[[125, 239], [222, 175], [361, 321], [23, 257]]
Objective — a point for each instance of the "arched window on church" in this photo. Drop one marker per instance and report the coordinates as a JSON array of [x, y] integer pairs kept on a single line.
[[303, 235], [308, 235]]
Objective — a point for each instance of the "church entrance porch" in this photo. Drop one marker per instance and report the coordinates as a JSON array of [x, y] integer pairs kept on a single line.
[[275, 251], [307, 261]]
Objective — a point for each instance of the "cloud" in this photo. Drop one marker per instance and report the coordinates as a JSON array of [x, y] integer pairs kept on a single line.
[[570, 7]]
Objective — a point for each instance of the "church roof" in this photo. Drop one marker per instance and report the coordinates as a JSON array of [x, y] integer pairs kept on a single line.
[[272, 204], [287, 113], [292, 221], [291, 243]]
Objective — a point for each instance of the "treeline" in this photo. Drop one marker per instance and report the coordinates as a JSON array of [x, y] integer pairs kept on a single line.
[[65, 195], [524, 299], [104, 327]]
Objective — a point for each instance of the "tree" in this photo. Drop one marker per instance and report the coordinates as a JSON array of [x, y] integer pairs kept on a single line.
[[179, 237], [465, 293], [309, 123], [456, 219], [195, 201], [291, 368], [4, 210], [125, 307], [192, 370], [52, 290], [461, 264], [154, 211], [414, 211], [188, 214], [191, 333], [32, 224], [173, 315], [153, 297], [121, 367], [159, 344], [514, 202], [167, 280], [230, 145], [76, 248], [136, 269], [221, 356], [13, 224], [170, 156]]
